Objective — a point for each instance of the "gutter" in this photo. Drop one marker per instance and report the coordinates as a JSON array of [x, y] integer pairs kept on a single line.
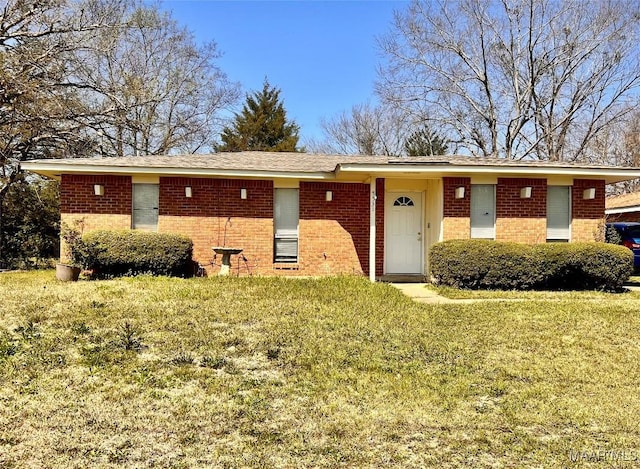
[[610, 174], [56, 170], [611, 211]]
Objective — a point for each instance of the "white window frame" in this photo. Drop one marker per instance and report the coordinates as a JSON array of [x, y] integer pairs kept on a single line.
[[145, 218], [286, 220], [555, 233], [482, 231]]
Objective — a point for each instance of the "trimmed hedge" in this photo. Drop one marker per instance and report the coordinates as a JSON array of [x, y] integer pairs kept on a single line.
[[484, 264], [128, 252]]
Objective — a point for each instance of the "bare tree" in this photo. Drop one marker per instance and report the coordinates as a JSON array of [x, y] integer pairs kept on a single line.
[[107, 77], [364, 130], [618, 145], [156, 90], [629, 154], [378, 130], [40, 111], [515, 79]]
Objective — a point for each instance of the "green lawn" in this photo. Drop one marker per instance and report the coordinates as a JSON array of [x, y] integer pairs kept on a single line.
[[337, 372]]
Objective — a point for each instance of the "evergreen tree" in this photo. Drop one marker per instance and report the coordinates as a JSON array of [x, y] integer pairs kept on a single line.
[[262, 125], [425, 142]]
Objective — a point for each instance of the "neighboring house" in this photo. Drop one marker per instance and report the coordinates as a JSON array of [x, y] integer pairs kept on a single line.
[[625, 207], [299, 214]]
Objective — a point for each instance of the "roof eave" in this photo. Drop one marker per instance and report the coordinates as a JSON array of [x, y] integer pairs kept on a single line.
[[54, 171], [343, 171], [610, 175], [611, 211]]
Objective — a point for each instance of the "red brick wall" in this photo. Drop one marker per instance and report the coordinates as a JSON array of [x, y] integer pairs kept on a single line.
[[335, 240], [334, 236], [216, 197], [523, 220], [215, 215], [77, 194], [587, 209], [517, 219], [456, 207], [456, 212], [510, 205], [587, 222]]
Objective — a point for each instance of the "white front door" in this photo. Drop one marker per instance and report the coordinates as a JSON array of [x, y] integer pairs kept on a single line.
[[403, 233]]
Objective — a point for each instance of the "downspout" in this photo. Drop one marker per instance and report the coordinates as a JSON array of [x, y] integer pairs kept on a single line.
[[372, 229]]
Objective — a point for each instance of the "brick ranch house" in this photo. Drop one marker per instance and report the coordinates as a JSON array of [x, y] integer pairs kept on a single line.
[[625, 208], [301, 214]]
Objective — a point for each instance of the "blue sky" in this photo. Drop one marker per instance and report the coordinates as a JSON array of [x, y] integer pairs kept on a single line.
[[321, 54]]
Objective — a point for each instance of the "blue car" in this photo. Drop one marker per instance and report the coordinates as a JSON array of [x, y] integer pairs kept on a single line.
[[630, 235]]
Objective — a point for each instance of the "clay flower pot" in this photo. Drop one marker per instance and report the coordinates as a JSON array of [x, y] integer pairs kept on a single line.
[[67, 273]]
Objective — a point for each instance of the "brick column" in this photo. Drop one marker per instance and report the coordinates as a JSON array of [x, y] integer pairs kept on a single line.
[[518, 219], [587, 223], [456, 223]]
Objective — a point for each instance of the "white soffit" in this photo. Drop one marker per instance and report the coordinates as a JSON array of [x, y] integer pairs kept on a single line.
[[346, 171], [611, 175], [54, 170]]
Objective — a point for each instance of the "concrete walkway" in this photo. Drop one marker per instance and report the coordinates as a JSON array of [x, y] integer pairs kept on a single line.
[[420, 293]]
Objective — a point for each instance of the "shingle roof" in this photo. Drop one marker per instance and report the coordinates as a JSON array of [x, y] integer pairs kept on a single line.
[[250, 161], [624, 200], [298, 162]]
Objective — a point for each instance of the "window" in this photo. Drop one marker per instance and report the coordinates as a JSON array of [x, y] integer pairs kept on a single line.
[[145, 207], [483, 211], [285, 218], [403, 202], [558, 213]]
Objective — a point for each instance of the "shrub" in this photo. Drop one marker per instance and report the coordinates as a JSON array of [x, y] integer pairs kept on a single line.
[[483, 264], [129, 252], [75, 250], [479, 264], [553, 268], [600, 266], [612, 236]]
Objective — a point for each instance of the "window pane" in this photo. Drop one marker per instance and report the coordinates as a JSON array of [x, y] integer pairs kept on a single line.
[[286, 210], [285, 217], [558, 212], [403, 202], [145, 207], [286, 250], [483, 211]]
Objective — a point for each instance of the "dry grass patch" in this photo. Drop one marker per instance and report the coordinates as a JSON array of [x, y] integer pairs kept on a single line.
[[227, 372]]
